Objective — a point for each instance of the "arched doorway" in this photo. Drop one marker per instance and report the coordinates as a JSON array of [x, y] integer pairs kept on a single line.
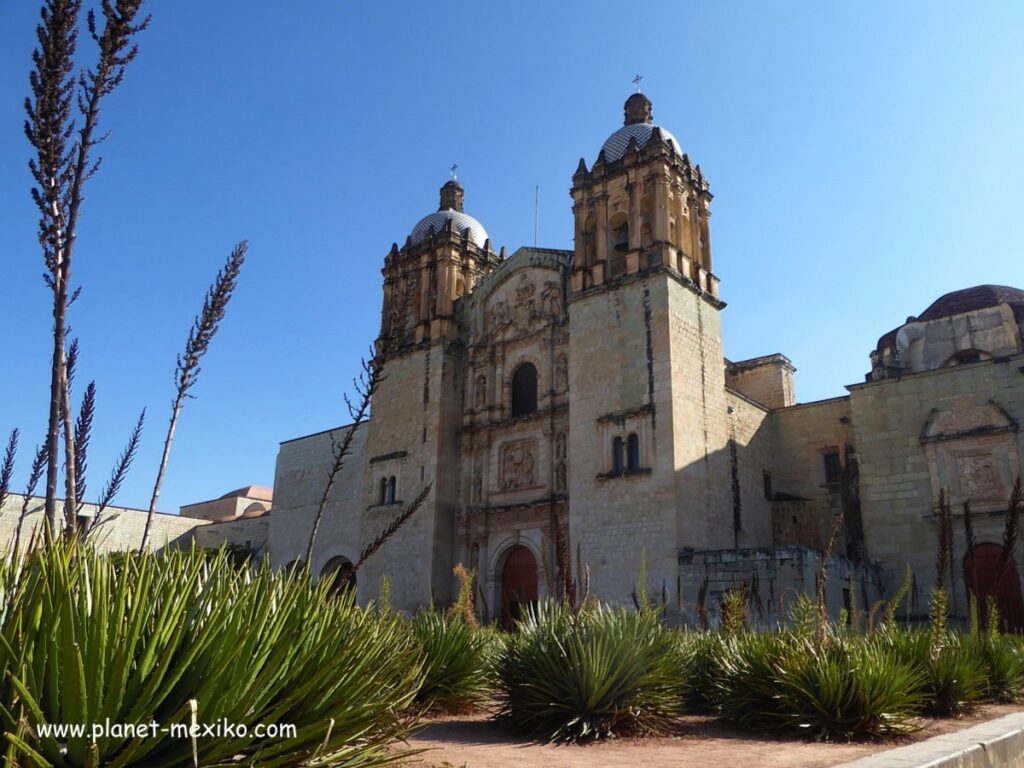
[[339, 571], [518, 585], [982, 575]]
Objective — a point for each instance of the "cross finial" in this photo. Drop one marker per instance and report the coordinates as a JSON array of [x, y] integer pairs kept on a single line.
[[454, 168], [636, 82]]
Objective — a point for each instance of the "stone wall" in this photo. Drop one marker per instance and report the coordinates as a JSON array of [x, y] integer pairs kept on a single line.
[[120, 528], [767, 380], [804, 501], [954, 428], [413, 436], [751, 455], [619, 357], [299, 480], [250, 534], [772, 578]]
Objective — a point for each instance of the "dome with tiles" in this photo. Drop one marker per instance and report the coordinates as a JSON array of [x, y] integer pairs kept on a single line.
[[639, 127]]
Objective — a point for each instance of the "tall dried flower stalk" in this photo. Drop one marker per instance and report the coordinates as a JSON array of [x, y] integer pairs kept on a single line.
[[187, 372], [117, 475], [366, 385], [1011, 529], [34, 474], [822, 603], [82, 433], [62, 165], [944, 554], [8, 467]]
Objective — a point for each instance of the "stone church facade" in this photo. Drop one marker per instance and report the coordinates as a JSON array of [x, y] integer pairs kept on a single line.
[[576, 406]]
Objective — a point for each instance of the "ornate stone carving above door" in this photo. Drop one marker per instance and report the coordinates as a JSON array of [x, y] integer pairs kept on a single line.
[[972, 452], [519, 465]]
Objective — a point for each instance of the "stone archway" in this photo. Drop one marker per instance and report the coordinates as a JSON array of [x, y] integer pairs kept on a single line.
[[342, 578], [985, 577], [518, 585]]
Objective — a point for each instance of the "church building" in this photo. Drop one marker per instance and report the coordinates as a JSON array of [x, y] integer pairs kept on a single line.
[[575, 417]]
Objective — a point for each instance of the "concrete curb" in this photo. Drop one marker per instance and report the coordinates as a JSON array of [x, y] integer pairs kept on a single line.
[[995, 744]]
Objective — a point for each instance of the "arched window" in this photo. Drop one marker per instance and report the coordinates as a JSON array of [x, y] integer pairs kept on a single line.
[[633, 453], [391, 490], [383, 498], [524, 390], [618, 456]]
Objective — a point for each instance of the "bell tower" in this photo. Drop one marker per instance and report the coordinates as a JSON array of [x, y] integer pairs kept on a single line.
[[642, 206], [443, 258], [648, 418], [412, 437]]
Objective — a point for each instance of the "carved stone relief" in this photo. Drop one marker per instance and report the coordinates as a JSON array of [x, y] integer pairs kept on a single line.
[[518, 465], [972, 451], [551, 299]]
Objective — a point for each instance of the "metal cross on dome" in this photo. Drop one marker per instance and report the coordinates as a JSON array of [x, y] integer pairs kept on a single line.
[[636, 82], [454, 168]]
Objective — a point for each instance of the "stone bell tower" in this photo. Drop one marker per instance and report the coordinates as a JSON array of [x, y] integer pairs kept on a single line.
[[648, 423], [443, 257], [642, 205], [412, 437]]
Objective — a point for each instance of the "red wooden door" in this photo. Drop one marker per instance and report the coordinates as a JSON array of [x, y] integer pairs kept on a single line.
[[518, 585], [982, 575]]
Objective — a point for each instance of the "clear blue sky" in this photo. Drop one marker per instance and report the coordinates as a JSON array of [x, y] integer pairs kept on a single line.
[[865, 158]]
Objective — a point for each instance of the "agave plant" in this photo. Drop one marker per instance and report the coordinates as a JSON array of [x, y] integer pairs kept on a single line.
[[746, 689], [455, 661], [601, 672], [839, 687], [847, 688], [1004, 667], [180, 637], [954, 674], [702, 654]]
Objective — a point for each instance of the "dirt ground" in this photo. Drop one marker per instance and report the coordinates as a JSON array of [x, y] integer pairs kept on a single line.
[[474, 741]]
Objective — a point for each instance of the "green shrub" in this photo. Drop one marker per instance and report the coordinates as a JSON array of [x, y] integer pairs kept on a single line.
[[87, 637], [595, 674], [847, 689], [839, 688], [454, 659], [746, 690], [702, 654], [1004, 669], [955, 677]]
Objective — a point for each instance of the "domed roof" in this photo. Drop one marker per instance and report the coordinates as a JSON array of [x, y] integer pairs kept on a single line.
[[964, 300], [970, 299], [460, 223], [615, 147], [639, 125], [450, 210]]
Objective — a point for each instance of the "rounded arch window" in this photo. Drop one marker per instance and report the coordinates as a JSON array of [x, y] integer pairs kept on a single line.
[[524, 390], [633, 453]]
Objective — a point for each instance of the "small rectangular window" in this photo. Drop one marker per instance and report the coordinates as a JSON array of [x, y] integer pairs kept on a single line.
[[833, 467], [767, 476]]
